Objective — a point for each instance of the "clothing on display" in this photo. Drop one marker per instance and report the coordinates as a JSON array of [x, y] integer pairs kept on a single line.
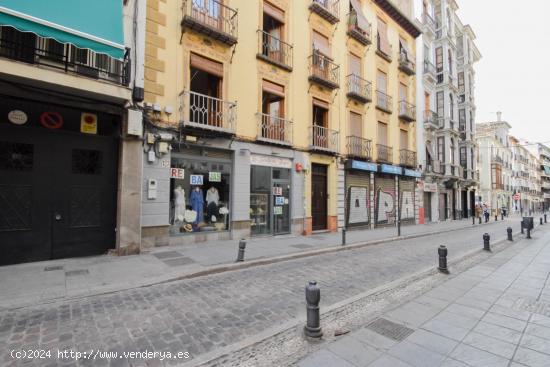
[[179, 204], [212, 196], [197, 203]]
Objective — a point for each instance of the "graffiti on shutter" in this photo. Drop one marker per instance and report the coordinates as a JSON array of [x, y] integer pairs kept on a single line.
[[406, 193], [385, 202], [357, 200]]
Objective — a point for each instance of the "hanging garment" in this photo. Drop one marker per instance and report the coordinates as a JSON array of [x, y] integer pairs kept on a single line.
[[212, 196], [197, 203]]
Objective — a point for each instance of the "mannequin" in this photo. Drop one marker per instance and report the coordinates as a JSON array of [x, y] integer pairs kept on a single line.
[[212, 200], [179, 204], [197, 203]]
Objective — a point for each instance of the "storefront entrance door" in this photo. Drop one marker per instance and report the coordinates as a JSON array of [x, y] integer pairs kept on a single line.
[[319, 197], [427, 207], [57, 194]]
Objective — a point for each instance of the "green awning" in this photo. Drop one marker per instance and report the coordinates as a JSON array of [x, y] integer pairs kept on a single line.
[[546, 170], [92, 24]]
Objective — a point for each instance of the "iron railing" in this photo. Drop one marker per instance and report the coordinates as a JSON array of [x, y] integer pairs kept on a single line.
[[429, 69], [431, 119], [64, 57], [406, 65], [383, 101], [359, 34], [274, 129], [407, 111], [323, 70], [497, 159], [435, 167], [207, 112], [446, 123], [359, 88], [384, 153], [407, 158], [274, 50], [212, 18], [359, 147], [323, 138], [327, 9]]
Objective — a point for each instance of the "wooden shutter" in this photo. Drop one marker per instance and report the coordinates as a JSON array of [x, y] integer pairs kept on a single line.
[[404, 139], [354, 65], [382, 133], [362, 22], [273, 88], [405, 49], [321, 44], [274, 12], [319, 103], [207, 65], [355, 125], [381, 81], [384, 41], [402, 92]]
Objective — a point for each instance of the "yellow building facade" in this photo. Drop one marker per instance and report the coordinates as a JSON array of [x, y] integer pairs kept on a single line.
[[287, 95]]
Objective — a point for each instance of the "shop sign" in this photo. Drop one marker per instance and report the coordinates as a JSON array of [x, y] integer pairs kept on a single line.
[[430, 187], [277, 210], [215, 176], [196, 180], [269, 161], [364, 166], [279, 200], [88, 123], [394, 170], [17, 117], [412, 173], [277, 191], [177, 173]]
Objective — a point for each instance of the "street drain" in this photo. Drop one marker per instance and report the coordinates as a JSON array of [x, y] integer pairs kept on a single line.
[[390, 329]]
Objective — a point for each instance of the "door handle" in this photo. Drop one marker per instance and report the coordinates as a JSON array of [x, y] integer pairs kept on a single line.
[[57, 216]]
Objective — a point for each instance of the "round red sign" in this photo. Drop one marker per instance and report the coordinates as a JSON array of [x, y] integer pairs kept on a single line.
[[51, 120]]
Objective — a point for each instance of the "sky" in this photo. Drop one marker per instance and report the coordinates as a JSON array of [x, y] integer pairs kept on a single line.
[[513, 75]]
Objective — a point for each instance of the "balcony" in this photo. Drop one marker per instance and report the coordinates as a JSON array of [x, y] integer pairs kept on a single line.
[[323, 139], [453, 170], [500, 186], [323, 71], [384, 154], [447, 124], [407, 111], [359, 148], [407, 158], [497, 159], [359, 89], [406, 65], [274, 130], [429, 71], [65, 57], [429, 22], [211, 18], [274, 51], [431, 121], [363, 36], [434, 167], [326, 9], [383, 102], [207, 113]]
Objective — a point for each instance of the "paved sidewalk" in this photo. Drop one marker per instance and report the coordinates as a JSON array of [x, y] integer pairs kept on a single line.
[[26, 284], [494, 314]]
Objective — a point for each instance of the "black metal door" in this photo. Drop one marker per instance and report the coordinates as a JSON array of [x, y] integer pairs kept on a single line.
[[319, 197], [57, 194]]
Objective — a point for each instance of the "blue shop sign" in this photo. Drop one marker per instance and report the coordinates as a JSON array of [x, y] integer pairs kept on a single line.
[[364, 166], [412, 173], [394, 170]]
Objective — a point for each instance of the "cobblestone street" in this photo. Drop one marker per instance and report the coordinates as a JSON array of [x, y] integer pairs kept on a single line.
[[203, 314]]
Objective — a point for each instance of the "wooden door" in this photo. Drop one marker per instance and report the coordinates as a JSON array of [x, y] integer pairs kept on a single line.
[[319, 197]]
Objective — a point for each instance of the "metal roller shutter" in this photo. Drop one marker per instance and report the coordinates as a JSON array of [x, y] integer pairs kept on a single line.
[[406, 195], [357, 199], [384, 201]]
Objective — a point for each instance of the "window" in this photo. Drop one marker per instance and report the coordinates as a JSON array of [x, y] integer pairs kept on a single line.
[[17, 45], [383, 41], [461, 82], [381, 81], [355, 65], [439, 59], [273, 33], [206, 89], [463, 157], [440, 104], [452, 151], [450, 54], [452, 107], [355, 125], [404, 139], [441, 149], [321, 44], [382, 133], [320, 124], [273, 111], [462, 119]]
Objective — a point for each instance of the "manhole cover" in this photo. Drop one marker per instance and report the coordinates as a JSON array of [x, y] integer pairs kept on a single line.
[[533, 306], [72, 273], [390, 329], [52, 268], [167, 254], [302, 246], [179, 261]]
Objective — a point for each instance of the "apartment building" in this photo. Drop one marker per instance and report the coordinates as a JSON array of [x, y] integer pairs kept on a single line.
[[446, 86], [68, 154], [542, 153], [279, 117]]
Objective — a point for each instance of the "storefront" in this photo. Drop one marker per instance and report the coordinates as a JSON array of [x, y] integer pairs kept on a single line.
[[407, 196], [385, 203], [200, 191], [358, 193]]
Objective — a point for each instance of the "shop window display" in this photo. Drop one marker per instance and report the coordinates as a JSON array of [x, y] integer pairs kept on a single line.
[[199, 196]]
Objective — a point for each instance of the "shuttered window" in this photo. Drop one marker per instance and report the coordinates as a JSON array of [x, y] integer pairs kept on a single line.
[[355, 65], [321, 43], [382, 133], [207, 65], [381, 81], [384, 42], [440, 104], [274, 12], [404, 139], [355, 125]]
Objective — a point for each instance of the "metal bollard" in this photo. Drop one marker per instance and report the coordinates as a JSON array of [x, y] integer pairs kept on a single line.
[[528, 232], [473, 220], [343, 236], [509, 231], [545, 218], [496, 217], [242, 246], [522, 232], [313, 323], [442, 251], [480, 219], [541, 221], [501, 216], [486, 242]]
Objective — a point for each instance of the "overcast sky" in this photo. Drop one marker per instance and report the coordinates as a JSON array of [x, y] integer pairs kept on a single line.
[[513, 75]]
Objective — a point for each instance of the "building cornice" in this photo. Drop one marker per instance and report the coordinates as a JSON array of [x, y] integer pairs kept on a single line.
[[401, 19]]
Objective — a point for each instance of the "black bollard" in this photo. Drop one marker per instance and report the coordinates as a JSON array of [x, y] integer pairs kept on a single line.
[[502, 216], [509, 231], [486, 242], [545, 218], [529, 232], [541, 221], [242, 246], [473, 220], [522, 226], [442, 251], [480, 219], [313, 323], [343, 236], [496, 217]]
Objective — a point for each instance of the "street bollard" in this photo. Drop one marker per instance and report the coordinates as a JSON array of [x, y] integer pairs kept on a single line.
[[509, 231], [480, 219], [242, 246], [528, 232], [501, 216], [442, 251], [541, 221], [545, 218], [473, 220], [486, 243], [522, 232], [343, 236], [313, 323], [496, 217]]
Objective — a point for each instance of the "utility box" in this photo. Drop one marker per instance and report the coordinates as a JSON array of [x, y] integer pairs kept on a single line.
[[528, 223]]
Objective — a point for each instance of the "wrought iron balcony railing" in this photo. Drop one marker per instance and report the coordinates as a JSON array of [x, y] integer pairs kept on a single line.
[[323, 71], [327, 9], [407, 111], [431, 121], [383, 102], [363, 36], [407, 158], [359, 88], [324, 139], [275, 51], [429, 21], [384, 153], [497, 159], [205, 112], [434, 167], [274, 130], [64, 57], [429, 70], [405, 65], [359, 147], [212, 18]]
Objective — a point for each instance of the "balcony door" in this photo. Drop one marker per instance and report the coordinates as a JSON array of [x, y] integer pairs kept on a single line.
[[208, 12], [273, 32], [205, 105], [355, 71], [320, 124], [402, 99], [273, 111], [321, 56]]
